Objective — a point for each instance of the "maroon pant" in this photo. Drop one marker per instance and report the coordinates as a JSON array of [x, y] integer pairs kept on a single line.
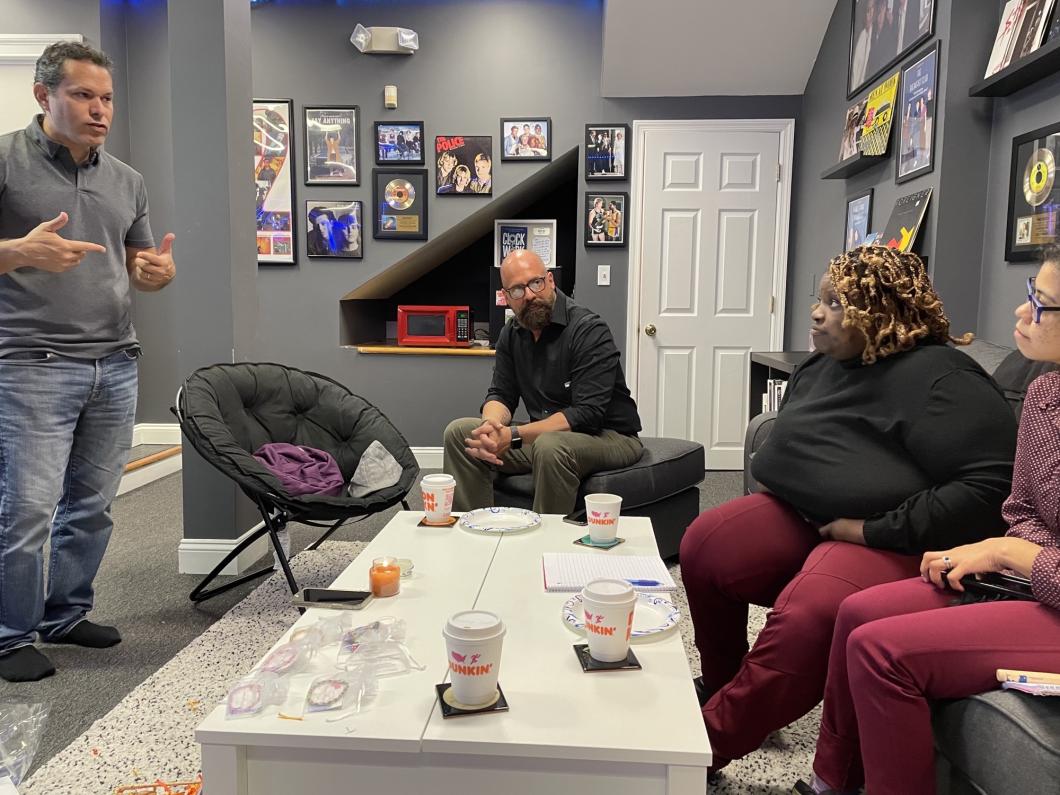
[[887, 662], [758, 550]]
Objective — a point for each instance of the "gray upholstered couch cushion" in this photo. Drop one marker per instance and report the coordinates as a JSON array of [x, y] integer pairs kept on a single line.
[[667, 467], [1001, 741]]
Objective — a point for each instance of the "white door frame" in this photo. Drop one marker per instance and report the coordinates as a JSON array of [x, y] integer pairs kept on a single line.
[[786, 129]]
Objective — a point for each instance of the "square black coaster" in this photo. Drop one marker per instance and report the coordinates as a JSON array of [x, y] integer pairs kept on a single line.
[[424, 522], [450, 710], [589, 665], [587, 541]]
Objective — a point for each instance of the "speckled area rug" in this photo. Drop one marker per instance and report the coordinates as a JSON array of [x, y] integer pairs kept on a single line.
[[149, 735]]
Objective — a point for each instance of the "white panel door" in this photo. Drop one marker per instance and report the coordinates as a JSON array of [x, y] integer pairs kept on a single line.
[[707, 247]]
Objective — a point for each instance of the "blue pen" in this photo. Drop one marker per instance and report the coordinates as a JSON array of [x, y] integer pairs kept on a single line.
[[644, 583]]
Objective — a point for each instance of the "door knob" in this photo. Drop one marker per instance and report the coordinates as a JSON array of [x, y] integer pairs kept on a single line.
[[650, 329]]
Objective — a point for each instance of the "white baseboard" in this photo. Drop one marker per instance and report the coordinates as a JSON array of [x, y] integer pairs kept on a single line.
[[200, 555], [156, 433], [151, 472], [428, 457]]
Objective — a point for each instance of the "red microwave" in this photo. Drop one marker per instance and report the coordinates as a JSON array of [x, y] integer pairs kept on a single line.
[[437, 326]]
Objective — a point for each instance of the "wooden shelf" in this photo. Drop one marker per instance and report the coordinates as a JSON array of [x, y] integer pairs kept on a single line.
[[1041, 63], [852, 165], [404, 350]]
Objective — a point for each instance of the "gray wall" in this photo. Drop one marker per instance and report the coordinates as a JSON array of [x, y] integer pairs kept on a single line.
[[478, 61], [949, 236]]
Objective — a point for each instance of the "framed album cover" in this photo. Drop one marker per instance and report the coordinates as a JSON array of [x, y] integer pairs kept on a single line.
[[333, 229], [331, 145], [858, 220], [274, 186], [463, 165], [527, 138], [1033, 193], [850, 144], [605, 219], [881, 33], [916, 134], [399, 142], [906, 218], [606, 151], [399, 200]]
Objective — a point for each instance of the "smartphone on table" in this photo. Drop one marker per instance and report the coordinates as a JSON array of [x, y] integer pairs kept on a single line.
[[332, 598]]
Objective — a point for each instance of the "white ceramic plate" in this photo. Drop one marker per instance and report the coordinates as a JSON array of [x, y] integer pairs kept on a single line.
[[500, 520], [653, 616]]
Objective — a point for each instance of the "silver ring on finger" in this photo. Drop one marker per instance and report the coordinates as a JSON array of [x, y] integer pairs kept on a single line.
[[947, 564]]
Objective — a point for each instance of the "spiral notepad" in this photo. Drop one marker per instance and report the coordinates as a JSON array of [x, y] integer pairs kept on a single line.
[[571, 571]]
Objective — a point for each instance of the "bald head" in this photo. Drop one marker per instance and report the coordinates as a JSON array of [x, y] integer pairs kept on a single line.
[[520, 266], [524, 274]]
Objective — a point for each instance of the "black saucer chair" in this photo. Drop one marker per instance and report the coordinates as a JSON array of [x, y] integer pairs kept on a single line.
[[227, 411]]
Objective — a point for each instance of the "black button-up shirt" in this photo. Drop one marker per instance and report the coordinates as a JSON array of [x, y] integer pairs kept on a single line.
[[573, 368]]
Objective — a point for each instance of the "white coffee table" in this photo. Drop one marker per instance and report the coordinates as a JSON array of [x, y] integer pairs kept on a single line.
[[567, 731]]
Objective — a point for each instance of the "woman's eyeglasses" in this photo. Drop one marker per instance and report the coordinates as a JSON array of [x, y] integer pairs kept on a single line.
[[517, 291], [1036, 304]]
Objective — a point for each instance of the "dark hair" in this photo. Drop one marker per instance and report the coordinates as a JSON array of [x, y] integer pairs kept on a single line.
[[51, 66], [1050, 253], [887, 295]]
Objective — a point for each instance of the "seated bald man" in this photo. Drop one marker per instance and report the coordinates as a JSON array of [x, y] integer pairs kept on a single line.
[[560, 359]]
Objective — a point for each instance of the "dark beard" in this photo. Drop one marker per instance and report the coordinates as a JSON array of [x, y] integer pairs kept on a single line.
[[535, 316]]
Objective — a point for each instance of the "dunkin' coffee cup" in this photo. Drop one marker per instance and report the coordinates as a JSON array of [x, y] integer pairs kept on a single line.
[[437, 492], [473, 650], [608, 606], [601, 512]]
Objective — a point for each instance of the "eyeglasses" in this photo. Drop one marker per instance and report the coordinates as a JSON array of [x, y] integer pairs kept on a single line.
[[517, 291], [1036, 304]]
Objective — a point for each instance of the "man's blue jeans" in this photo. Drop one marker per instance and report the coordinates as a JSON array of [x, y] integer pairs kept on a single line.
[[65, 432]]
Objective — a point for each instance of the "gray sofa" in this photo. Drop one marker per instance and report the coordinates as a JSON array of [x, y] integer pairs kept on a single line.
[[1000, 742]]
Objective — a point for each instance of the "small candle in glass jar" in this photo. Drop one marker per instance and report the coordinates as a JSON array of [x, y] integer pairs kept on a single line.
[[385, 576]]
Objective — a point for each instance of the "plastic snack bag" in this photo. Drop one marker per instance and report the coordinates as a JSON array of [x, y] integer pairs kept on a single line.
[[381, 658], [347, 692], [322, 632], [288, 658], [21, 728], [251, 694]]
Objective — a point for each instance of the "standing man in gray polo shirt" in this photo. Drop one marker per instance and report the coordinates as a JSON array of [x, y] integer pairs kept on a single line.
[[74, 241]]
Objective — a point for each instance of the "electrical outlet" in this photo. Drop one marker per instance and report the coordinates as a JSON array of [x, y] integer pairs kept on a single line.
[[603, 275]]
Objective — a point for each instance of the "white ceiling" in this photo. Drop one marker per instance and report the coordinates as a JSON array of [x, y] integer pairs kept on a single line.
[[677, 48]]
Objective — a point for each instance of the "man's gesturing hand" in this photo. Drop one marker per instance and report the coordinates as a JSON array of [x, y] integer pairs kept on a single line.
[[44, 249]]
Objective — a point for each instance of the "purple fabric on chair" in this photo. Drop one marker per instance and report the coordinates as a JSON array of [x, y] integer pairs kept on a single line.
[[301, 469]]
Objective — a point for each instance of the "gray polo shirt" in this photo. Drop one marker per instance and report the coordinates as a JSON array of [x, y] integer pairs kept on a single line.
[[84, 312]]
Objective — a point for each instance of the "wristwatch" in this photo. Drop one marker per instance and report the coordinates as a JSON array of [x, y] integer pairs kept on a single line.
[[517, 440]]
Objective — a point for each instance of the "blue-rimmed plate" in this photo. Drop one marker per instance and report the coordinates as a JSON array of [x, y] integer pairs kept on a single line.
[[653, 616], [497, 521]]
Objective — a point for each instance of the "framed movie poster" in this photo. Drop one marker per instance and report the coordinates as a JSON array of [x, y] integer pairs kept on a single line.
[[881, 33], [399, 141], [1033, 193], [333, 229], [605, 219], [606, 151], [858, 221], [331, 145], [916, 135], [526, 139], [904, 223], [463, 165], [399, 200], [274, 187]]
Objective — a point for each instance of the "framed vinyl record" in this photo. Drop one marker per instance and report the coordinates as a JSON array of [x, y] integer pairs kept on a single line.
[[1033, 193], [399, 203]]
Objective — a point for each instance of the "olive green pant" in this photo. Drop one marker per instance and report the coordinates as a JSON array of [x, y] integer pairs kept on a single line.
[[559, 461]]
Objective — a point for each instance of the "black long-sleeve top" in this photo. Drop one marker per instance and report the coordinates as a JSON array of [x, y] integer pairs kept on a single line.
[[919, 444], [573, 368]]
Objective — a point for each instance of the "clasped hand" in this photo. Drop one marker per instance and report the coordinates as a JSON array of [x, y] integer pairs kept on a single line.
[[488, 442]]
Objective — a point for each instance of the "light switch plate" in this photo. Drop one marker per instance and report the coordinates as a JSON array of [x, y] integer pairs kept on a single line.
[[603, 275]]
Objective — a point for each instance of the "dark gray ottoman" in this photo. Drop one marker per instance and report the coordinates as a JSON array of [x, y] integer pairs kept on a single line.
[[998, 743], [661, 486]]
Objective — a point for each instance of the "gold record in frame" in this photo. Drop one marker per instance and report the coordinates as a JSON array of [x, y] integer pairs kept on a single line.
[[1039, 176], [399, 194]]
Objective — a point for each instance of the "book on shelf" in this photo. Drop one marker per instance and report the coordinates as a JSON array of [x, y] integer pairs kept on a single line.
[[774, 394]]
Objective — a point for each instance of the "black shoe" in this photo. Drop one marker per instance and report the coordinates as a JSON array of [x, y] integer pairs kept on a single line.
[[802, 788], [701, 690]]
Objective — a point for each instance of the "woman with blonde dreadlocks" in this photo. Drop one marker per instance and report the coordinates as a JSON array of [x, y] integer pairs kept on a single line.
[[889, 443]]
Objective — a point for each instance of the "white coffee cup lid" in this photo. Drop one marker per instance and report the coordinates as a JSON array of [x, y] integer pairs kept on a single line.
[[438, 480], [603, 499], [608, 591], [474, 625]]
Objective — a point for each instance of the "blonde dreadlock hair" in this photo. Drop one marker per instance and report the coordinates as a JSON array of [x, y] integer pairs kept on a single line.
[[887, 295]]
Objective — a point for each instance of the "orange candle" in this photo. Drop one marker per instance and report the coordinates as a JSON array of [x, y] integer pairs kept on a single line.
[[385, 576]]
